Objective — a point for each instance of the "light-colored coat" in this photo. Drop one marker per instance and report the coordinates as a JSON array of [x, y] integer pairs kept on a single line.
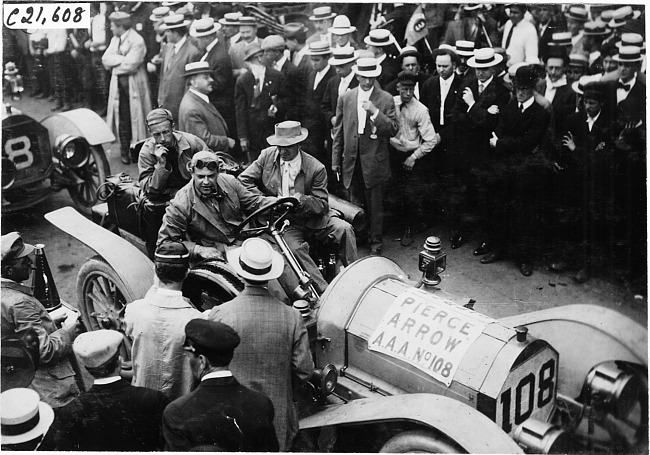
[[123, 58], [349, 146], [204, 121], [273, 353]]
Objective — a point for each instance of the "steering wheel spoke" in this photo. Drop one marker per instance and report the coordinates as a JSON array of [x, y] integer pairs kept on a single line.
[[284, 205]]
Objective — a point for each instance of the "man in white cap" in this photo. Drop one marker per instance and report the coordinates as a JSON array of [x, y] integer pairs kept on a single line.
[[22, 311], [113, 415], [322, 18], [197, 115], [520, 36], [268, 361], [365, 120], [129, 97], [25, 419], [179, 51]]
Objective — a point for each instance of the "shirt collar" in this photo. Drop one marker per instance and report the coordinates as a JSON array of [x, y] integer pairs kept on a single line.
[[171, 292], [381, 59], [279, 63], [104, 381], [559, 83], [526, 104], [366, 95], [486, 83], [631, 83], [209, 47], [234, 38], [324, 70], [294, 163], [593, 119], [201, 95], [11, 284], [217, 374], [178, 45]]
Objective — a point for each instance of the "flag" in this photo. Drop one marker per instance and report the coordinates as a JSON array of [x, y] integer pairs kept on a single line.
[[416, 29]]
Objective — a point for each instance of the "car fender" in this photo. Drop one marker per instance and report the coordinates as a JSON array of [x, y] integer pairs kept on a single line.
[[133, 267], [79, 122], [444, 414], [584, 336]]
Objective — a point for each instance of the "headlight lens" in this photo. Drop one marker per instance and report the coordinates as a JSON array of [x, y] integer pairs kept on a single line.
[[73, 150], [8, 173]]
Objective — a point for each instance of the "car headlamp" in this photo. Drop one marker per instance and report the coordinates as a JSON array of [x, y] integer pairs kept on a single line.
[[325, 380], [73, 150], [613, 390], [8, 173]]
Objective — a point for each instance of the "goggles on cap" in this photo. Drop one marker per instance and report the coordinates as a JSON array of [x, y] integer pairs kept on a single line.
[[211, 165]]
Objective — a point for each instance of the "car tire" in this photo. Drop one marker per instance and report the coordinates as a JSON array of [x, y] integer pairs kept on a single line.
[[422, 441], [94, 174]]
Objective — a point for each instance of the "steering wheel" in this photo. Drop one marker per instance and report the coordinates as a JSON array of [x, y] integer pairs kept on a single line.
[[289, 204]]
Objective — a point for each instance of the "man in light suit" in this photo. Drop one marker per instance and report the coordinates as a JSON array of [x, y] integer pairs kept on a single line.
[[267, 361], [179, 52], [365, 120], [197, 115]]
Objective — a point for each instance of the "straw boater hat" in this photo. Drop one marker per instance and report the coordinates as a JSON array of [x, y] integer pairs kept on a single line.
[[288, 133], [631, 39], [247, 20], [577, 13], [622, 15], [10, 69], [579, 85], [628, 54], [24, 416], [230, 19], [465, 48], [255, 260], [379, 38], [204, 27], [194, 68], [293, 30], [578, 60], [367, 67], [561, 39], [341, 26], [158, 14], [174, 21], [484, 58], [597, 28], [322, 13], [343, 55], [319, 48]]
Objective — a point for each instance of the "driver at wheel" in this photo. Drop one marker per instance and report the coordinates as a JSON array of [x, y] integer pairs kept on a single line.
[[206, 211]]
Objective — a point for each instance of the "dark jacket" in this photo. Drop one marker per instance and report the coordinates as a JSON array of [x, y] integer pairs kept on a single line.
[[389, 71], [331, 97], [222, 95], [430, 96], [223, 415], [172, 84], [111, 417]]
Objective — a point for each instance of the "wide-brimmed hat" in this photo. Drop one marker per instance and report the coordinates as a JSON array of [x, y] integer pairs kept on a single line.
[[204, 27], [288, 133], [525, 77], [464, 48], [341, 26], [484, 58], [379, 38], [252, 50], [628, 54], [561, 39], [622, 15], [173, 21], [197, 68], [367, 67], [230, 19], [322, 13], [24, 416], [255, 260], [596, 28], [158, 14], [577, 13], [579, 85], [343, 55], [319, 48], [13, 247], [578, 60]]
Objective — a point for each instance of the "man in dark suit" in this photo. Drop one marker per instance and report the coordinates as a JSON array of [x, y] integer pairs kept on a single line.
[[295, 35], [113, 415], [275, 361], [312, 116], [475, 117], [594, 34], [215, 52], [379, 41], [521, 170], [255, 91], [220, 414], [179, 51], [197, 115], [409, 60], [558, 91], [627, 94], [546, 25], [342, 60], [365, 120]]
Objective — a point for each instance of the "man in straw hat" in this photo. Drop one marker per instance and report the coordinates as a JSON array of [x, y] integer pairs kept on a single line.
[[323, 19], [268, 361], [523, 124], [220, 414], [594, 34], [342, 60], [520, 36], [129, 98], [180, 51], [25, 419], [379, 42], [113, 415], [285, 170], [628, 93], [156, 325], [198, 115], [342, 32], [230, 24], [22, 311], [365, 120]]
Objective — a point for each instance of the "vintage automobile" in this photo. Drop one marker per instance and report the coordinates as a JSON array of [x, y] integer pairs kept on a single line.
[[409, 368], [64, 151]]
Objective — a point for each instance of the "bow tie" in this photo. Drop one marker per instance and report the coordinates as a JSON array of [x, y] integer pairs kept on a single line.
[[625, 87]]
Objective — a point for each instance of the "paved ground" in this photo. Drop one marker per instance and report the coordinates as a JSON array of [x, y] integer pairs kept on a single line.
[[499, 289]]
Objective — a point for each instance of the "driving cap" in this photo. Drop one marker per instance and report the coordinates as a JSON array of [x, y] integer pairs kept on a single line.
[[407, 78], [172, 253], [13, 247], [96, 348], [252, 51], [159, 115], [273, 42], [211, 337]]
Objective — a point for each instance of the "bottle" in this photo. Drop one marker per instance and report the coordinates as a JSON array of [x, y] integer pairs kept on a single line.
[[43, 283]]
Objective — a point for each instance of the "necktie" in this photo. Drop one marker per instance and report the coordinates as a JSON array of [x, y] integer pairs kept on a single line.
[[481, 87], [625, 87], [521, 107], [509, 36]]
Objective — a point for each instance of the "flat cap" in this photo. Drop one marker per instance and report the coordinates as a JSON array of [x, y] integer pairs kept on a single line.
[[159, 115], [211, 337], [172, 253], [273, 42], [13, 247], [97, 347], [252, 50]]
